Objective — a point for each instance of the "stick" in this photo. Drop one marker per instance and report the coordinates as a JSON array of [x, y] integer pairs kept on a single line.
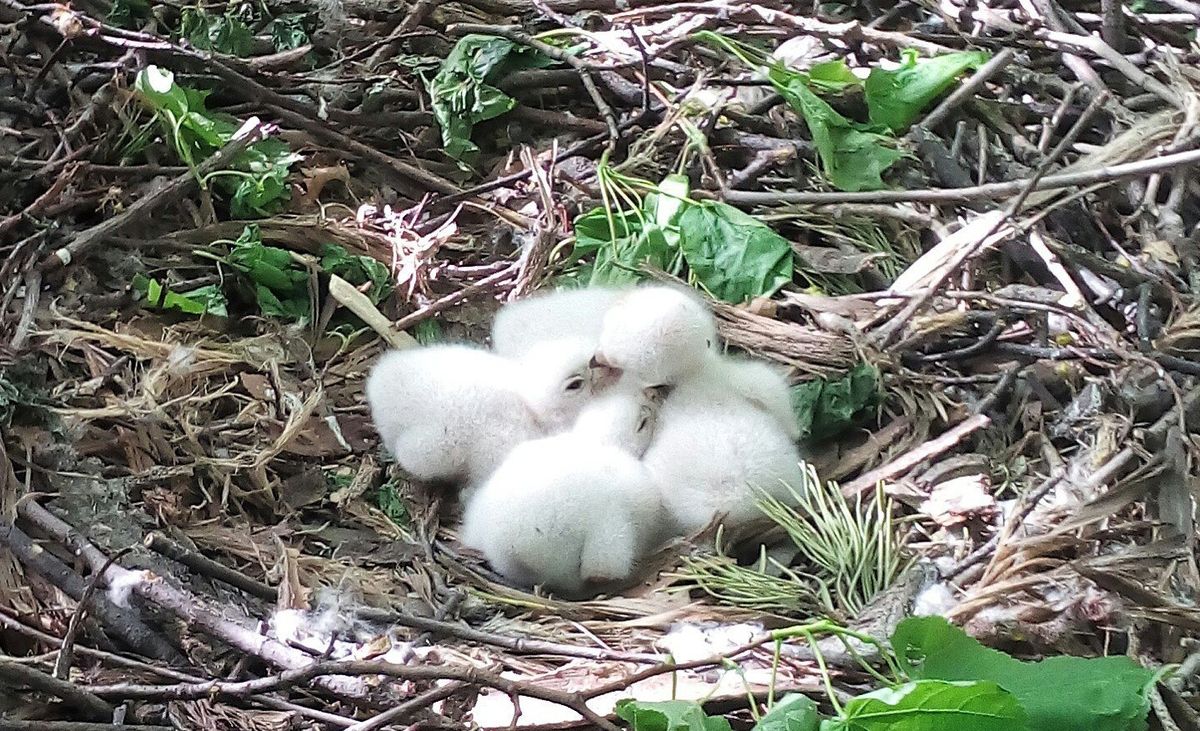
[[1107, 174], [917, 455], [201, 564], [298, 676], [66, 652], [145, 206], [967, 88], [183, 604], [121, 623], [14, 675], [400, 713]]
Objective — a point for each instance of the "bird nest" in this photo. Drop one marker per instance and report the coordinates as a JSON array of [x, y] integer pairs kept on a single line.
[[203, 531]]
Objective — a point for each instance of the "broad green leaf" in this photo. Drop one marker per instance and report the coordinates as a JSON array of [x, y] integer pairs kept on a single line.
[[202, 300], [393, 505], [934, 705], [852, 156], [287, 32], [793, 712], [357, 270], [126, 13], [1059, 693], [197, 133], [222, 33], [462, 95], [896, 98], [279, 283], [832, 76], [668, 716], [733, 254], [825, 408], [620, 249]]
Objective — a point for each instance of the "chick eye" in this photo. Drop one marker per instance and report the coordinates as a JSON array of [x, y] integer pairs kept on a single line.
[[574, 384], [643, 423]]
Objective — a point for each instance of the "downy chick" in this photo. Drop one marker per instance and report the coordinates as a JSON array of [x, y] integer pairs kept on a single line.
[[449, 412], [555, 380], [763, 385], [572, 512], [657, 335], [712, 448], [666, 335], [554, 315]]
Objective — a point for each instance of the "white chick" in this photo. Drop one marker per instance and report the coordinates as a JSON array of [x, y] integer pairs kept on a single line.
[[545, 316], [763, 385], [449, 412], [666, 335], [555, 380], [712, 448], [572, 512], [657, 335]]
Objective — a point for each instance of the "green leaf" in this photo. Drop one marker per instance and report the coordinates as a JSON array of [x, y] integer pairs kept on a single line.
[[280, 284], [934, 705], [793, 712], [461, 94], [896, 98], [824, 408], [668, 716], [126, 13], [209, 299], [853, 157], [357, 270], [830, 76], [733, 254], [1060, 693], [287, 32], [222, 33], [197, 133], [393, 505], [621, 249]]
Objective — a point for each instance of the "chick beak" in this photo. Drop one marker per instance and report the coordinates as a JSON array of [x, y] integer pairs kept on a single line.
[[657, 394], [603, 374]]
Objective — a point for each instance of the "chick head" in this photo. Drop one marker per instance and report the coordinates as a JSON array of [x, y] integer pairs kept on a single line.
[[622, 417], [655, 335], [556, 381]]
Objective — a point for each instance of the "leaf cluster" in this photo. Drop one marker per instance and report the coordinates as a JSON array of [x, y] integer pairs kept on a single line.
[[944, 680], [257, 179], [854, 154]]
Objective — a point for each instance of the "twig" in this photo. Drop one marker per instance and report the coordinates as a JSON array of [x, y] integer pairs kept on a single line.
[[278, 704], [66, 652], [13, 725], [917, 455], [145, 206], [584, 69], [183, 604], [515, 644], [205, 566], [400, 713], [300, 676], [15, 674], [985, 72], [121, 623], [1106, 174]]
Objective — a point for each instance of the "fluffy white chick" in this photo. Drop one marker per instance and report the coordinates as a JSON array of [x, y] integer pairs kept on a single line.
[[763, 385], [712, 448], [655, 335], [554, 315], [449, 412], [555, 380], [572, 512], [667, 335]]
